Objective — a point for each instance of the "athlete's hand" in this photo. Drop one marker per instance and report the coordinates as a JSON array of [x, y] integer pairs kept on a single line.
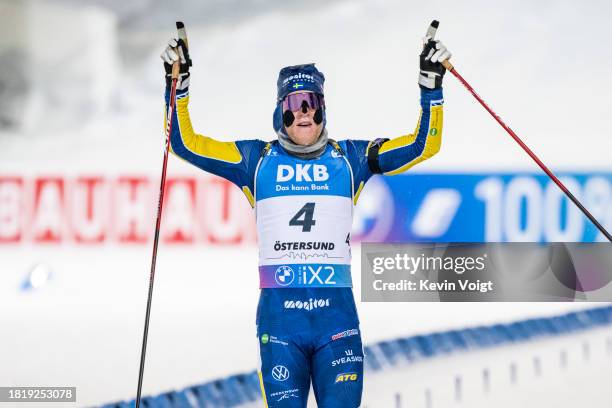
[[176, 51], [432, 71]]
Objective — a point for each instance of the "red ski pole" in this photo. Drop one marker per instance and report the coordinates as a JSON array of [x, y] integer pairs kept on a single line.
[[449, 67], [175, 74]]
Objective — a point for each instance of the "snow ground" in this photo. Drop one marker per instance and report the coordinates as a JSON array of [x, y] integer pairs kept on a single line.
[[84, 328], [564, 372]]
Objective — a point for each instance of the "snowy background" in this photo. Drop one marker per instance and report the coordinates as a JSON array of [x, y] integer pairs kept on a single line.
[[81, 91]]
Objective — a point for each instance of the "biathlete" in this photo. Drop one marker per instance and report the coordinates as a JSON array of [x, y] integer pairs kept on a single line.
[[303, 186]]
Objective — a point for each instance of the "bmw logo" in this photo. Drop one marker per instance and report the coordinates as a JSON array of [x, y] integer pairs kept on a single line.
[[284, 275]]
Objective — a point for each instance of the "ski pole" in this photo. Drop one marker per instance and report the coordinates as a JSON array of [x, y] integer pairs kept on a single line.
[[449, 67], [175, 74]]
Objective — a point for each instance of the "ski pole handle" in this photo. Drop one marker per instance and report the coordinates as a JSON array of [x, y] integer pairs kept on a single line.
[[176, 66], [431, 32], [182, 34]]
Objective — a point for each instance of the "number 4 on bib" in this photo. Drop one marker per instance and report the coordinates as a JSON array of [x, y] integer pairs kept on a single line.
[[307, 212]]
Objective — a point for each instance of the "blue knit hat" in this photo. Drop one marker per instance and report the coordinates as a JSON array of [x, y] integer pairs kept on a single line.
[[305, 77]]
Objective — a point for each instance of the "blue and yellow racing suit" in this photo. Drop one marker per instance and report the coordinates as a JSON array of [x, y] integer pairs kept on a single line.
[[307, 324]]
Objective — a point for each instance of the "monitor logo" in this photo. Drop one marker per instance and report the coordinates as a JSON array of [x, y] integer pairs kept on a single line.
[[308, 305]]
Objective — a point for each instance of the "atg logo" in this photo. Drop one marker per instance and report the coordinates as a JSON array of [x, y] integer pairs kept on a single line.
[[302, 172], [284, 275], [345, 377], [280, 373]]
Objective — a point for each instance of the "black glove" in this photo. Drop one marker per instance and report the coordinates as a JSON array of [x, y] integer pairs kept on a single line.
[[432, 71], [170, 56]]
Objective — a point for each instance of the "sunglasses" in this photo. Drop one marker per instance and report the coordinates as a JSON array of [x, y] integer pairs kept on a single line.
[[294, 102]]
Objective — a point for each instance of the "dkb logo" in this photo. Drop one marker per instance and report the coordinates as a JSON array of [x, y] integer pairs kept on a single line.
[[302, 172]]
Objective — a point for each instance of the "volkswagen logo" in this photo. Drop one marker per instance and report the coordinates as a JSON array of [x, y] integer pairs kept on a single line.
[[280, 373], [284, 275]]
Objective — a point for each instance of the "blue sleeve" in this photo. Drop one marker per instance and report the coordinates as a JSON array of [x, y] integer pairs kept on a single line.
[[356, 154], [234, 161], [397, 155]]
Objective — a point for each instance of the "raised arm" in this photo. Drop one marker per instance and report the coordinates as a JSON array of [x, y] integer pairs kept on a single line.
[[389, 157], [394, 156], [397, 155], [234, 161]]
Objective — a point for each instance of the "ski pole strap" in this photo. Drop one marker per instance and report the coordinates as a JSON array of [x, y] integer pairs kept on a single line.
[[305, 276], [373, 155]]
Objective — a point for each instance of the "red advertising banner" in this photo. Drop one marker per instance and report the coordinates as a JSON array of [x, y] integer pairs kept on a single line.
[[96, 209]]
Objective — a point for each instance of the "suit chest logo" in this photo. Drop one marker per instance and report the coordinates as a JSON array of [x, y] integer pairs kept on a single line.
[[281, 175], [302, 172]]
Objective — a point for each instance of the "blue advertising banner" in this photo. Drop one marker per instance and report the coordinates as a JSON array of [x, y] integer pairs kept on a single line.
[[482, 207]]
